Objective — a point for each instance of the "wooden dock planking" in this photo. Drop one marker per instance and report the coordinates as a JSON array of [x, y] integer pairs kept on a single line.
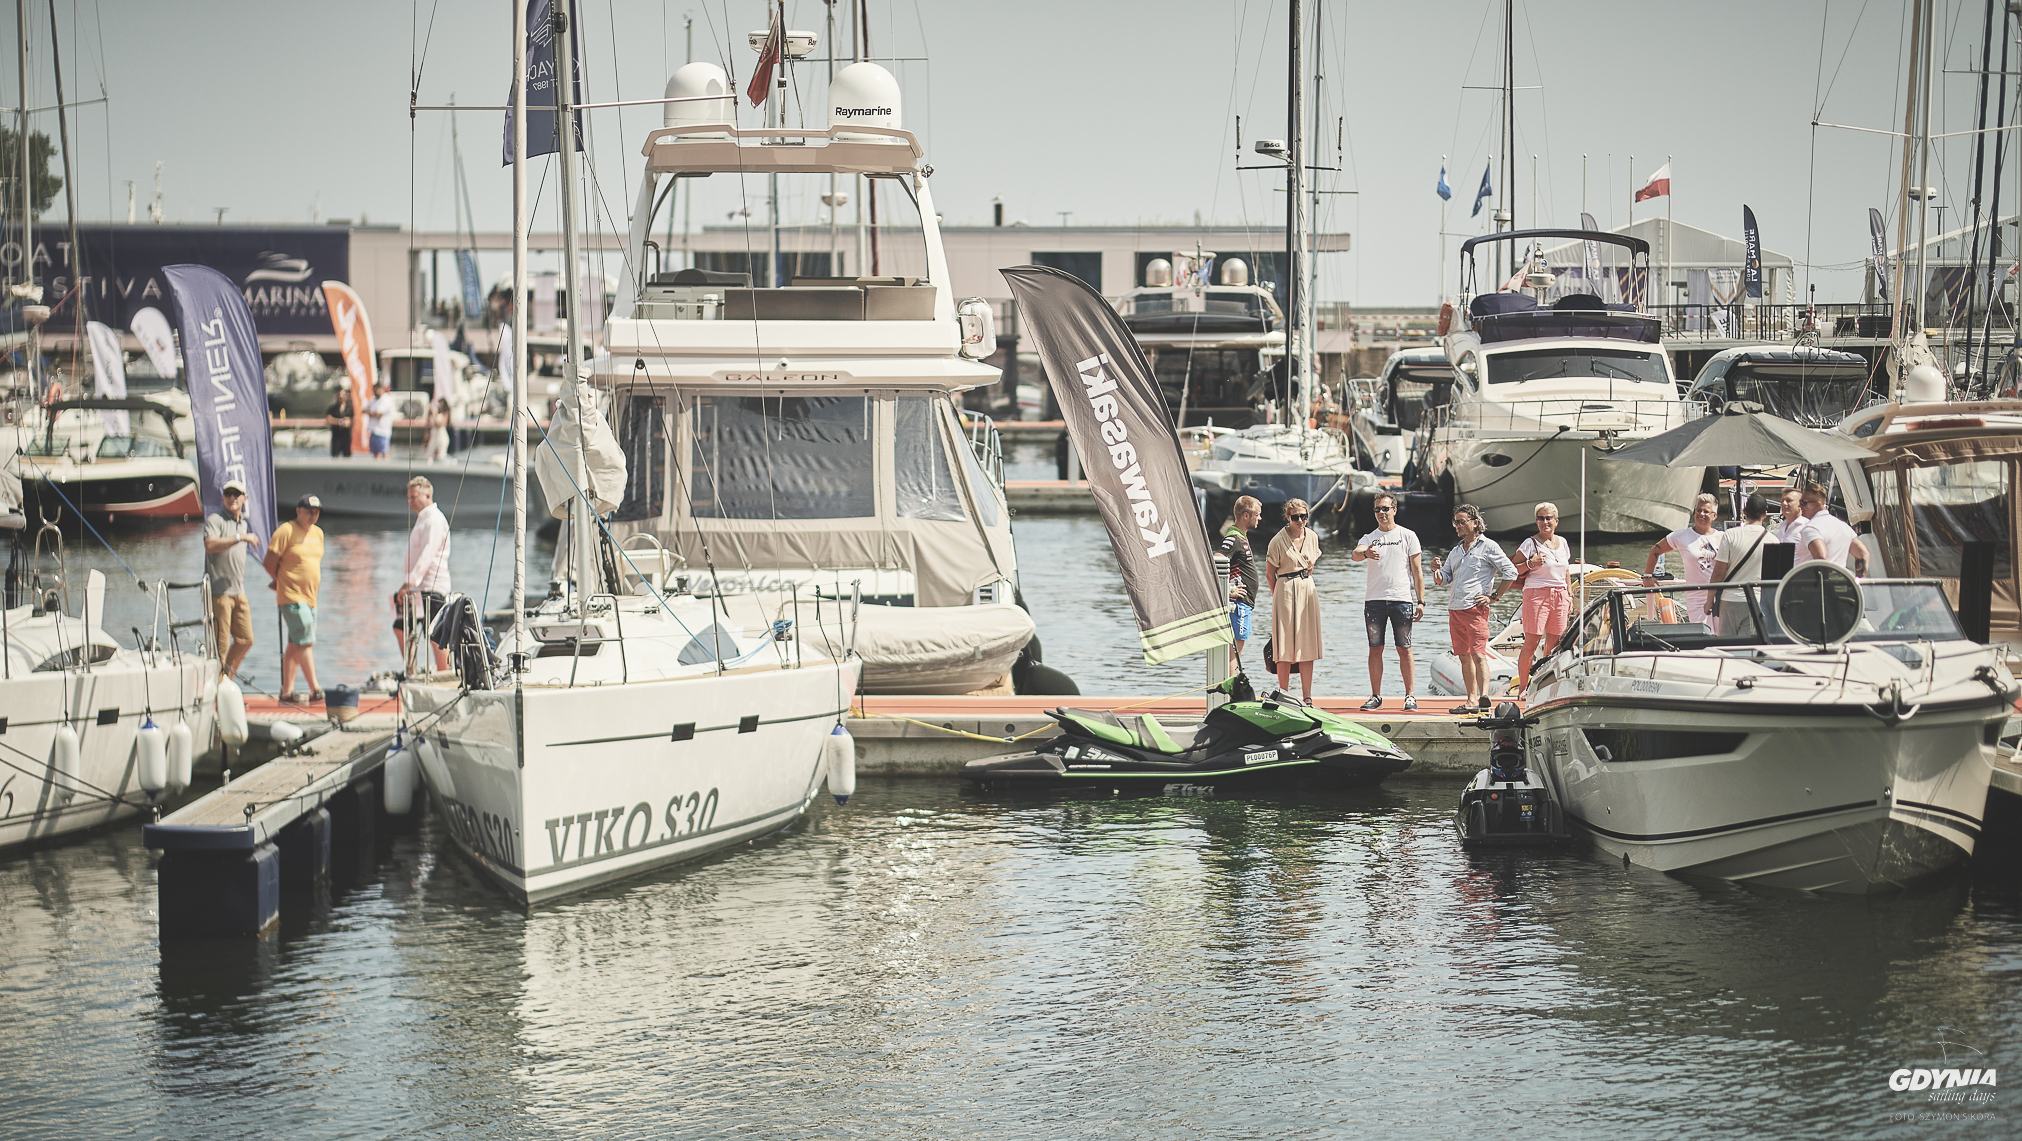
[[279, 793]]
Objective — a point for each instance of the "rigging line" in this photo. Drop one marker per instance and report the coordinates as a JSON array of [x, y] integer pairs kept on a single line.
[[417, 65], [1544, 114], [1811, 174], [1818, 99], [1488, 7]]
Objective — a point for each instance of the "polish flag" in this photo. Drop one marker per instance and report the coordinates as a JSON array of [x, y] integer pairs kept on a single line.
[[768, 58], [1658, 186]]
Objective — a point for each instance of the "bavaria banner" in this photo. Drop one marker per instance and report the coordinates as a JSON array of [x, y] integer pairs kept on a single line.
[[544, 129], [1878, 241], [228, 391], [1751, 241], [1114, 410], [108, 368], [354, 341]]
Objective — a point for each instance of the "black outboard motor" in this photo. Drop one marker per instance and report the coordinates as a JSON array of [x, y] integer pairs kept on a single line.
[[1505, 803]]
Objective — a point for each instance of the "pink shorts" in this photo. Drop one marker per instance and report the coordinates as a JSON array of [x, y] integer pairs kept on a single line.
[[1545, 611], [1468, 629]]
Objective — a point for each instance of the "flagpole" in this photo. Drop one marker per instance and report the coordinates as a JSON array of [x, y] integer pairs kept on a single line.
[[582, 537], [519, 329], [1667, 225]]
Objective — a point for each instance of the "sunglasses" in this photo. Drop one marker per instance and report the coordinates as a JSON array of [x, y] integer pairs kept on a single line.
[[1296, 518], [1385, 509], [1548, 518]]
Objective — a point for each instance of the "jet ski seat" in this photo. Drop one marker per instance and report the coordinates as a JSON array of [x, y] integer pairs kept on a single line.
[[1132, 730]]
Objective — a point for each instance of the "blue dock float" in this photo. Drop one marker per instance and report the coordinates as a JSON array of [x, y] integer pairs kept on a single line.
[[227, 856]]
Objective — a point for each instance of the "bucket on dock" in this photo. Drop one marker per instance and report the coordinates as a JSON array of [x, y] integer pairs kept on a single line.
[[341, 703]]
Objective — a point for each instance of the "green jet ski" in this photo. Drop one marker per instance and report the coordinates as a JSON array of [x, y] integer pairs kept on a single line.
[[1242, 744]]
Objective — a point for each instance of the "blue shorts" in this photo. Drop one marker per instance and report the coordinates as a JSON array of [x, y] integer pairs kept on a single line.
[[1395, 615], [1239, 620], [381, 445]]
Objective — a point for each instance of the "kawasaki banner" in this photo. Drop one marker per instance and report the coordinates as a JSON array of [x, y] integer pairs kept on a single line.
[[228, 391], [1751, 241], [1115, 413]]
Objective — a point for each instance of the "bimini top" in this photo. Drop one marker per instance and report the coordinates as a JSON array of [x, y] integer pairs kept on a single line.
[[718, 148], [1635, 245]]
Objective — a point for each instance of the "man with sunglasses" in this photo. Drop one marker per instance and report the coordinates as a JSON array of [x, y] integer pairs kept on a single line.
[[1396, 596]]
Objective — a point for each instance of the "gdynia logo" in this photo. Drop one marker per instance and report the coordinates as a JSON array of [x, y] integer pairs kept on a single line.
[[1939, 1079]]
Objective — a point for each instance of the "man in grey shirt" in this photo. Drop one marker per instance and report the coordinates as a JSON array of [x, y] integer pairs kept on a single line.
[[225, 541]]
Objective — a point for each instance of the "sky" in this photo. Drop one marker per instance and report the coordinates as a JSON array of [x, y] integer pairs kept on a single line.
[[1114, 111]]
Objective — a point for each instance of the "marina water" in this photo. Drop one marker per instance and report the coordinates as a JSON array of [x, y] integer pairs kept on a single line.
[[928, 963]]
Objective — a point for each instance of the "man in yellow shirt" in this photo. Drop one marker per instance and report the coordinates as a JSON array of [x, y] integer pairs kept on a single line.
[[295, 560]]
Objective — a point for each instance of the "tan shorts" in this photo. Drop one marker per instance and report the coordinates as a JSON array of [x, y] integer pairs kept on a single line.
[[233, 614]]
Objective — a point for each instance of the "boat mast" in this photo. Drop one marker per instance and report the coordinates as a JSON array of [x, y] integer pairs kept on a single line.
[[26, 183], [69, 184], [1295, 210], [1924, 170], [582, 536], [519, 327], [1311, 282]]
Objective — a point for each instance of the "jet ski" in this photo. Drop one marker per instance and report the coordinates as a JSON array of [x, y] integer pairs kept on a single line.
[[1242, 744], [1506, 804]]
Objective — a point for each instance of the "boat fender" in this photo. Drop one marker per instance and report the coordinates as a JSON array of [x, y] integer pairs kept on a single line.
[[397, 779], [1445, 319], [182, 756], [284, 732], [231, 712], [66, 765], [150, 754], [839, 756], [433, 766]]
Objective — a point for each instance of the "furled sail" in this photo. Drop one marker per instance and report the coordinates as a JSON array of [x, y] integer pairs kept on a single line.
[[554, 459], [1117, 419]]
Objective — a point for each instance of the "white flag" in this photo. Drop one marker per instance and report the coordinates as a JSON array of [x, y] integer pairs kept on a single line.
[[108, 366]]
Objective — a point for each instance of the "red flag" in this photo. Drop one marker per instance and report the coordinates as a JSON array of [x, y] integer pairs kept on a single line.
[[768, 58], [1658, 186]]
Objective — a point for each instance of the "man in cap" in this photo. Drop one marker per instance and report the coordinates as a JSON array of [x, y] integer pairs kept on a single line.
[[226, 538], [295, 564]]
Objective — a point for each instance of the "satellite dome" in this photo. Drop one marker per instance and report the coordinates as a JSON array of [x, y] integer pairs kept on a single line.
[[1158, 271], [700, 79], [863, 94], [1235, 271], [1924, 385]]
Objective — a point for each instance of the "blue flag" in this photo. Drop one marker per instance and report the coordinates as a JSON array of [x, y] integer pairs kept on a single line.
[[1445, 191], [544, 128], [473, 298], [228, 391], [1485, 190]]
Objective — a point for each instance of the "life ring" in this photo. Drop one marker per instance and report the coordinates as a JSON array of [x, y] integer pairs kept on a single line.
[[1445, 318]]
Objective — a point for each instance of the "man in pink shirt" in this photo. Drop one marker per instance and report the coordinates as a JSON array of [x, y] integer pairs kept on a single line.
[[427, 577]]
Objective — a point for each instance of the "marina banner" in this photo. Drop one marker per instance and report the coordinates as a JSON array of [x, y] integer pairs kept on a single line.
[[228, 391], [544, 129], [1115, 412], [108, 370], [1751, 240], [354, 342], [1878, 243]]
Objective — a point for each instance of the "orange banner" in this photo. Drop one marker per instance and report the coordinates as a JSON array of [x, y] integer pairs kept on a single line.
[[354, 340]]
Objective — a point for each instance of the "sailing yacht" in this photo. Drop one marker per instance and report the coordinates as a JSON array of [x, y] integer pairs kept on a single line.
[[1546, 376], [630, 721]]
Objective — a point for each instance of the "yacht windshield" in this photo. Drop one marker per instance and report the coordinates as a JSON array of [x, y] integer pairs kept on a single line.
[[1582, 364], [1950, 505], [1671, 618]]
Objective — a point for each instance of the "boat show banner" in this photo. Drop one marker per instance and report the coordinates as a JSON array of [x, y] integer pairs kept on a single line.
[[1751, 241], [1878, 242], [544, 128], [354, 342], [228, 391], [1115, 412]]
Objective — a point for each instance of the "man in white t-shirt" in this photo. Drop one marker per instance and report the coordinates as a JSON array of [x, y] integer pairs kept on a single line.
[[1396, 597], [1696, 544], [1837, 540], [1796, 530], [1739, 559], [379, 421]]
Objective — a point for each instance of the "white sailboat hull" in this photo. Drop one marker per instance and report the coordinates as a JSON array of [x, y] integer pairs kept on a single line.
[[552, 790]]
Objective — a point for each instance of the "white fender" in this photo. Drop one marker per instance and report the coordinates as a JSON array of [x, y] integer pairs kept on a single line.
[[66, 766], [433, 766], [231, 712], [182, 756], [150, 757], [285, 732], [396, 779], [839, 756]]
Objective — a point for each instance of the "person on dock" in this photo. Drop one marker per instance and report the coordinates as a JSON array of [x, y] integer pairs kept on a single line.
[[1295, 604], [225, 541], [1242, 575], [338, 417], [379, 421], [294, 563], [438, 429], [1739, 559], [1545, 565], [1696, 543], [1471, 571], [1396, 596], [426, 581], [1837, 541], [1796, 529]]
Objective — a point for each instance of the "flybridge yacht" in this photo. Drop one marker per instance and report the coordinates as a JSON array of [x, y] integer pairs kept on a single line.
[[1214, 346], [788, 414], [1545, 371]]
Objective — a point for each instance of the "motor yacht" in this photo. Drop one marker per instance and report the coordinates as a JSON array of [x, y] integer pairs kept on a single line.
[[1822, 734], [1801, 383], [1547, 375], [1215, 345], [107, 458]]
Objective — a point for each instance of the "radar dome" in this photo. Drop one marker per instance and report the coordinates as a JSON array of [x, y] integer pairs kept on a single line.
[[1235, 271], [863, 94], [1158, 271], [1924, 385], [704, 80]]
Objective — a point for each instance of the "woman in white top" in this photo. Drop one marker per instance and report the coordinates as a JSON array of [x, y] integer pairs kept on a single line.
[[1545, 560], [438, 430], [1696, 544]]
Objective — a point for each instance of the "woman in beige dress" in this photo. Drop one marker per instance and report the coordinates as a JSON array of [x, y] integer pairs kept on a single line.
[[1295, 604]]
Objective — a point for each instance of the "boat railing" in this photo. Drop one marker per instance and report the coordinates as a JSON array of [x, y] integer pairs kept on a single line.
[[1550, 415], [165, 609], [987, 443], [1737, 321]]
